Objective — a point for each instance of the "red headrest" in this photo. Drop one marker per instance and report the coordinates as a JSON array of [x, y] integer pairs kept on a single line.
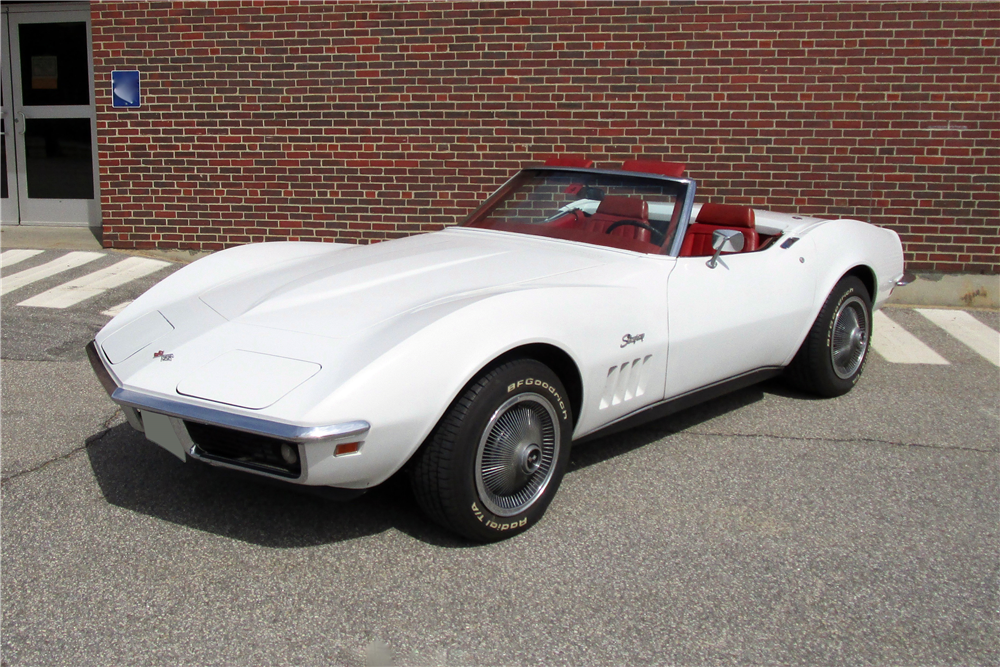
[[570, 161], [624, 207], [726, 215], [674, 169]]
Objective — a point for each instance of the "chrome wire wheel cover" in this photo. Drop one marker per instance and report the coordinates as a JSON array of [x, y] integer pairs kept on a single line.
[[849, 343], [517, 454]]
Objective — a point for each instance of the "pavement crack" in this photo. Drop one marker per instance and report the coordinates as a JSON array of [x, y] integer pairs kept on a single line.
[[45, 464], [109, 422], [92, 440], [874, 441]]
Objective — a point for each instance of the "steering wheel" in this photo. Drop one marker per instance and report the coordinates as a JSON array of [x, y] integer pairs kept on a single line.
[[634, 223]]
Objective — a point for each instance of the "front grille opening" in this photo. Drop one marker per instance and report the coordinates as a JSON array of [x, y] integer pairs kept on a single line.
[[247, 450]]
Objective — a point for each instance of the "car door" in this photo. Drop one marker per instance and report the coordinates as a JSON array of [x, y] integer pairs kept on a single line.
[[748, 312]]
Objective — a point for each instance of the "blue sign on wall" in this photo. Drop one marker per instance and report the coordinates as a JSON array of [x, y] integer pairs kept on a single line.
[[124, 89]]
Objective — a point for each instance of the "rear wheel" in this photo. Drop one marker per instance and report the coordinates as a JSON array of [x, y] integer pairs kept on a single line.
[[834, 353], [493, 463]]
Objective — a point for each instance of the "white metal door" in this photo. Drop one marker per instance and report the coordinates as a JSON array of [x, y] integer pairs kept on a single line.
[[747, 313], [53, 117]]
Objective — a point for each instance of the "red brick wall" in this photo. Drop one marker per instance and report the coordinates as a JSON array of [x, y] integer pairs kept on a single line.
[[363, 121]]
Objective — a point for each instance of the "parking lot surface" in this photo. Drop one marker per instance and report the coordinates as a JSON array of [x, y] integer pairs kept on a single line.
[[764, 527]]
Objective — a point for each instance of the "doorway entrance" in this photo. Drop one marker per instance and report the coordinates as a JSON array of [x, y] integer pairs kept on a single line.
[[49, 126]]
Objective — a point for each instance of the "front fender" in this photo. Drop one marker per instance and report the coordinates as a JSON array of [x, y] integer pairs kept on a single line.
[[404, 391]]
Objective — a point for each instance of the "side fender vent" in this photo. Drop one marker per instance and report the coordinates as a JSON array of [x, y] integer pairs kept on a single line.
[[625, 382]]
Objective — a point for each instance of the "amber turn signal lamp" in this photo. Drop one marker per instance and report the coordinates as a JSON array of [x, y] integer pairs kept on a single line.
[[346, 448]]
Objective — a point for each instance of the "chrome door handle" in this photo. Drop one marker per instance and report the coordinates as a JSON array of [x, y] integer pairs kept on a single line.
[[21, 121]]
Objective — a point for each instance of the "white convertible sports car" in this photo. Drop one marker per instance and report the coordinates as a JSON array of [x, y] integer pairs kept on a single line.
[[572, 303]]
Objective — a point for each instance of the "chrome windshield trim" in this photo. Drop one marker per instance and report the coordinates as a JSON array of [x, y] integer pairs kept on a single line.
[[272, 429], [683, 222]]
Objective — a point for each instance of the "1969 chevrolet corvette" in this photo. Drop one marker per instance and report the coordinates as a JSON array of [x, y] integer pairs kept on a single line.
[[574, 302]]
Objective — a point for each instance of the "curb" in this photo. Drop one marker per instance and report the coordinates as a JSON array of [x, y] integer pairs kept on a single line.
[[963, 290], [929, 289]]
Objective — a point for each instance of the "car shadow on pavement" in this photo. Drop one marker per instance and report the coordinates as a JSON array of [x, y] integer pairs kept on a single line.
[[602, 449], [137, 475]]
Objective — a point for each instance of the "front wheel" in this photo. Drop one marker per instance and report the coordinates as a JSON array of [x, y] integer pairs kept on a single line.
[[833, 355], [491, 466]]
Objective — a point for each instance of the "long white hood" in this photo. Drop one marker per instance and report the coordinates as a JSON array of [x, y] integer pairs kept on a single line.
[[339, 295]]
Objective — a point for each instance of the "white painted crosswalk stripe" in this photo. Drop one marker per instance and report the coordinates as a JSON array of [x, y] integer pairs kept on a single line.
[[966, 328], [898, 346], [47, 270], [10, 257], [92, 284], [114, 310]]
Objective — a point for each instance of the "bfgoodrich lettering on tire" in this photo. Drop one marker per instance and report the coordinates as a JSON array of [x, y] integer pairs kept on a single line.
[[833, 355], [491, 466]]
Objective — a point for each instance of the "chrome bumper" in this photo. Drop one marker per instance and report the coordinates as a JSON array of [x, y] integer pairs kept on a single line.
[[134, 403]]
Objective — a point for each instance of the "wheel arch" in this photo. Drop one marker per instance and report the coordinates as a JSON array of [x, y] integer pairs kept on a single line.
[[558, 360], [824, 287], [866, 275], [552, 356]]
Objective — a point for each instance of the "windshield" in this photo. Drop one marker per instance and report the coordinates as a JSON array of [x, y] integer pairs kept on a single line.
[[628, 212]]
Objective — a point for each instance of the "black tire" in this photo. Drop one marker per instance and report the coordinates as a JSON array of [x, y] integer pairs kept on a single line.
[[517, 416], [835, 351]]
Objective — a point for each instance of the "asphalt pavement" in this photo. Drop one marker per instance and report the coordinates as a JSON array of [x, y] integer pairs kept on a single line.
[[764, 527]]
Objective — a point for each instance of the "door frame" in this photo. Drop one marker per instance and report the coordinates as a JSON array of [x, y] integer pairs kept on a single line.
[[9, 214], [62, 212]]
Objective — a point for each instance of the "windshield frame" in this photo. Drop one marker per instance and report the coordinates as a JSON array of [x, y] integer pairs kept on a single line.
[[686, 200]]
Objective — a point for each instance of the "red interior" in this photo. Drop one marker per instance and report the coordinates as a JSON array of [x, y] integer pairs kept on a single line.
[[613, 209], [577, 226], [698, 240]]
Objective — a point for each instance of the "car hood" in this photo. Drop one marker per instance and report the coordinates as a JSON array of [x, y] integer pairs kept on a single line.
[[340, 295]]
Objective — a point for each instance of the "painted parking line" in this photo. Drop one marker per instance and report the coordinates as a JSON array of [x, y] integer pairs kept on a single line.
[[11, 257], [114, 310], [92, 284], [898, 346], [966, 328], [43, 271]]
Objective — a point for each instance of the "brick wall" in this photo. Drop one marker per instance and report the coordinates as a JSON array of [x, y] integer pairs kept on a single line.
[[364, 121]]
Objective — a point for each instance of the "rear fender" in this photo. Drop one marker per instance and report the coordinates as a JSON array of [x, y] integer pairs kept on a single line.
[[844, 246]]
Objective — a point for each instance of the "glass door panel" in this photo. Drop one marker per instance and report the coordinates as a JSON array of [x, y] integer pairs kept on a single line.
[[58, 158], [55, 63], [51, 84], [4, 190]]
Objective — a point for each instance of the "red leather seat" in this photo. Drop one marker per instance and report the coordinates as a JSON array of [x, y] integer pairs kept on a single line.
[[698, 240], [614, 208]]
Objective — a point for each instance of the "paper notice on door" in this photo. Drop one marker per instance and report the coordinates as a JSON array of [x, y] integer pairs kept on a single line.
[[44, 72]]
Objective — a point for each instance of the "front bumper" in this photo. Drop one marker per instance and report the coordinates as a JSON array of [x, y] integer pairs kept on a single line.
[[226, 439]]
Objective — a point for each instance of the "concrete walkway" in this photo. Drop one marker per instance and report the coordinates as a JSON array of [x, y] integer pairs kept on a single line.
[[930, 289], [80, 238]]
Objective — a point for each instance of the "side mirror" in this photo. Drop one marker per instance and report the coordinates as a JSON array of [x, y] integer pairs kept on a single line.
[[725, 240]]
